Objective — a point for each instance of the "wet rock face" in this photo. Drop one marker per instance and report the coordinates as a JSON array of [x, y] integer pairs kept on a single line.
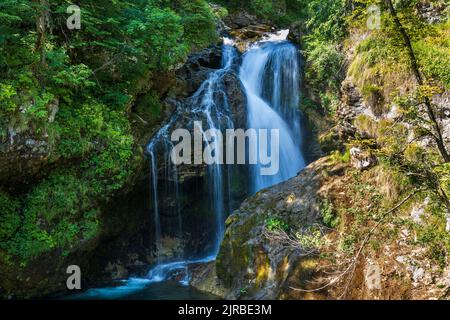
[[23, 155], [237, 99], [205, 90], [240, 19], [196, 70], [183, 101], [246, 29], [204, 278], [245, 36]]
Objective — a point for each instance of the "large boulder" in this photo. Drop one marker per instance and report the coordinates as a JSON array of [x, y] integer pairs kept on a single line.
[[25, 151], [249, 264], [22, 157]]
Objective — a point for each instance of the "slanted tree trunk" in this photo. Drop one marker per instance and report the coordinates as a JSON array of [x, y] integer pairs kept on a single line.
[[415, 67], [41, 29]]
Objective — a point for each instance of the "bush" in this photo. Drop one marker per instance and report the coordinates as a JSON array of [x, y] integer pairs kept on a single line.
[[433, 53], [9, 216], [329, 217], [58, 213], [325, 63], [7, 94]]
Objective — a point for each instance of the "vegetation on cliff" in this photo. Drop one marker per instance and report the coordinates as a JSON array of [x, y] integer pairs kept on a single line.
[[74, 90]]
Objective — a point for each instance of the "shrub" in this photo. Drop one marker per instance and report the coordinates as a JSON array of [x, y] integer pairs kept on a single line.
[[9, 216], [329, 217]]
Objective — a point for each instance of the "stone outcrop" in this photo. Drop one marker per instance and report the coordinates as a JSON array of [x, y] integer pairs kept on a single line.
[[432, 12], [25, 154], [195, 71], [361, 159]]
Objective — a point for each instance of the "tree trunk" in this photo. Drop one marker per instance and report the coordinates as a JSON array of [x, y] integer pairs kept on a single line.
[[415, 67], [41, 29]]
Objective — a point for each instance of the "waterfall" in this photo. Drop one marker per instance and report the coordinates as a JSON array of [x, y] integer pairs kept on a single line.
[[161, 143], [209, 104], [270, 75]]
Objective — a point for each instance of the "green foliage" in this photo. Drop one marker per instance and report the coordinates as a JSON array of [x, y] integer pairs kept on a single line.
[[58, 213], [325, 28], [280, 12], [9, 216], [433, 235], [326, 19], [84, 81], [433, 53], [7, 94], [329, 217], [198, 22], [159, 32], [274, 224], [348, 242], [311, 238], [325, 65], [150, 108], [341, 157]]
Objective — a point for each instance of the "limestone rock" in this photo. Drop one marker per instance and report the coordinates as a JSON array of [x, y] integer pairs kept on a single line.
[[362, 159]]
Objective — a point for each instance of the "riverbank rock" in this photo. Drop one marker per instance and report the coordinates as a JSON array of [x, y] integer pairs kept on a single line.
[[204, 278], [251, 265]]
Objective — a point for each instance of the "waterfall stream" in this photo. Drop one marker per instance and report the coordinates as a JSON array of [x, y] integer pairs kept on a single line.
[[269, 73], [209, 105]]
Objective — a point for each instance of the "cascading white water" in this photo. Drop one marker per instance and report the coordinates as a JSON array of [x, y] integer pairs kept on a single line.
[[160, 141], [270, 75], [210, 106]]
